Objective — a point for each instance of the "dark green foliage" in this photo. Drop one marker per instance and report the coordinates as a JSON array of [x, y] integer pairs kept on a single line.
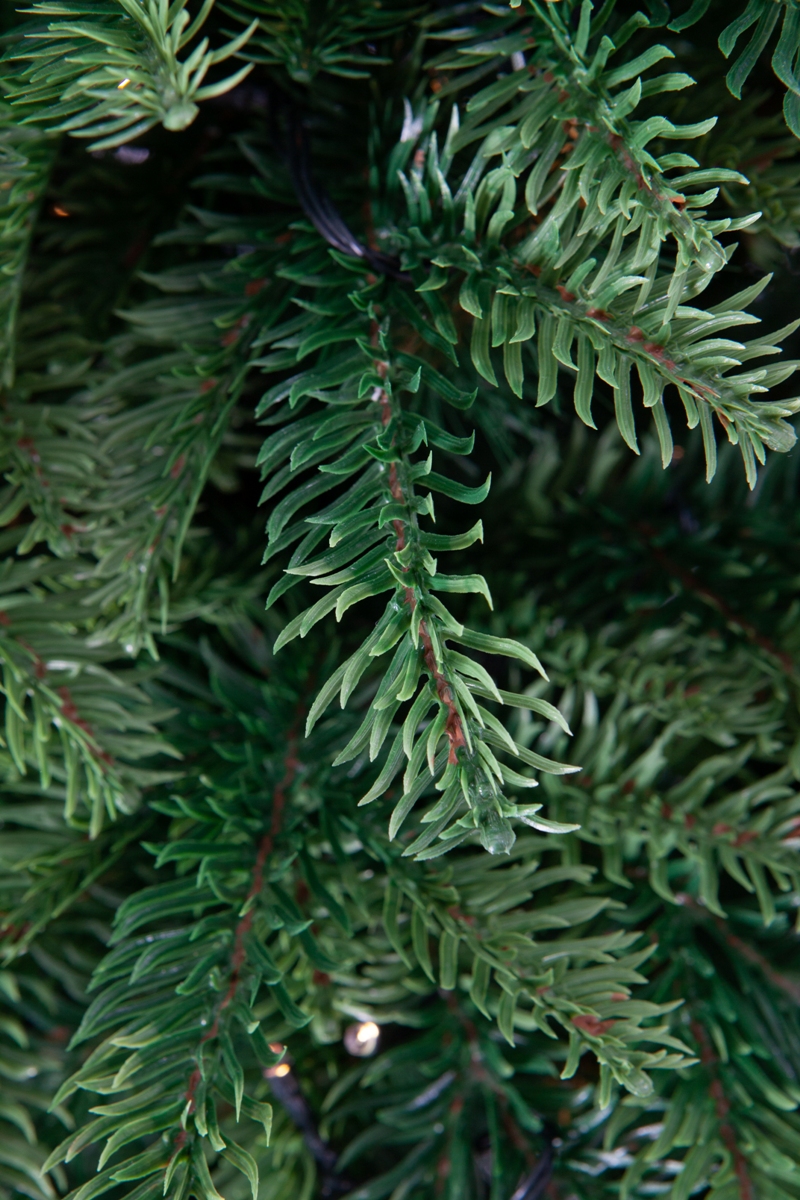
[[308, 37], [136, 80], [483, 728]]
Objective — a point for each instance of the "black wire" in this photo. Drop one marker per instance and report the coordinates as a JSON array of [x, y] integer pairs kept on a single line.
[[287, 1092], [319, 209], [534, 1185], [285, 1089]]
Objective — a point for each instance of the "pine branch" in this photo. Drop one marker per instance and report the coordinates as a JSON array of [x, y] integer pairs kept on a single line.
[[681, 758], [111, 71], [784, 56], [150, 429], [622, 311], [608, 1007], [746, 1146], [382, 496], [333, 37], [68, 718], [25, 161], [173, 1002], [45, 873]]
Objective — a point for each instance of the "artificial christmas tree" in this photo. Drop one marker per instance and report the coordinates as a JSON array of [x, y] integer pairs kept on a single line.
[[282, 909]]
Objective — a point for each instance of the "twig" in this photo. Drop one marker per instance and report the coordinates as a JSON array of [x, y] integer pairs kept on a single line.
[[687, 579], [238, 957], [722, 1108]]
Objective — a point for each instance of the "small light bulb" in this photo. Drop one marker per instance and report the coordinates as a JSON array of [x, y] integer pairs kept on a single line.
[[362, 1040], [277, 1072], [122, 85]]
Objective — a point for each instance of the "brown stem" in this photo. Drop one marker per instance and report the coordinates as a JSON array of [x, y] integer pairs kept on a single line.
[[71, 714], [454, 729], [782, 982], [69, 709], [722, 1108], [239, 954], [693, 585]]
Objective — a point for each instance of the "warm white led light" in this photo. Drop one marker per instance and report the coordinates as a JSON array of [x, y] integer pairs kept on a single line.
[[277, 1072], [122, 85], [362, 1039]]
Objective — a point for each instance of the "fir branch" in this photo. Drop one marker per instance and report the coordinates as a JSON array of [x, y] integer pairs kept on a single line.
[[45, 873], [26, 157], [784, 56], [734, 1065], [381, 441], [333, 37], [703, 822], [153, 998], [653, 328], [165, 412], [764, 154], [68, 718], [28, 1065], [619, 987], [38, 1003], [111, 71]]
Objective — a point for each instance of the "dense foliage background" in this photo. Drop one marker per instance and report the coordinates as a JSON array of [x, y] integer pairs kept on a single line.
[[280, 915]]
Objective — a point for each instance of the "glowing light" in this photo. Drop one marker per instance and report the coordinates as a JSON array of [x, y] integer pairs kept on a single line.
[[59, 212], [122, 85], [277, 1072], [362, 1040]]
